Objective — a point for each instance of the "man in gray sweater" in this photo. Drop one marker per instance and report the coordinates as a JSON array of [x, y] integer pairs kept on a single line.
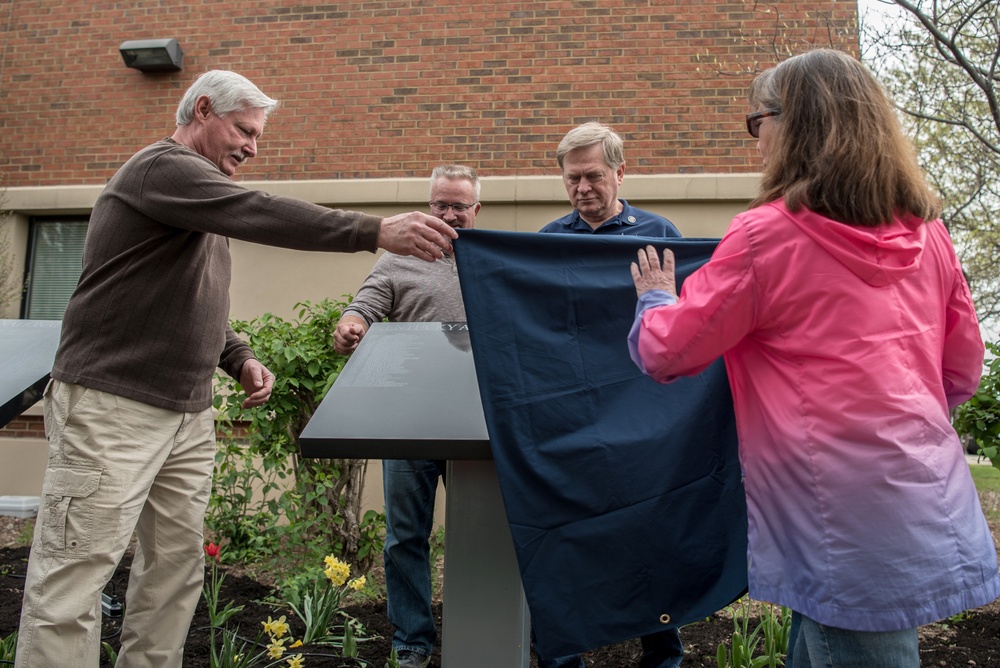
[[404, 290], [128, 413]]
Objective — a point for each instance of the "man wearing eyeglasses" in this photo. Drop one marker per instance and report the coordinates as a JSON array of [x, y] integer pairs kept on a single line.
[[592, 159], [404, 290]]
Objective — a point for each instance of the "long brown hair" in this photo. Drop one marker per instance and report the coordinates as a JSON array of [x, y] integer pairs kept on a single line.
[[838, 148]]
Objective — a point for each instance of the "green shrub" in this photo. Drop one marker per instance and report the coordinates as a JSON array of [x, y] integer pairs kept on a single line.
[[261, 477], [979, 417]]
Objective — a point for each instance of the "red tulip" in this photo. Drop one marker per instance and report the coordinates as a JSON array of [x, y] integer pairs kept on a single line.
[[214, 551]]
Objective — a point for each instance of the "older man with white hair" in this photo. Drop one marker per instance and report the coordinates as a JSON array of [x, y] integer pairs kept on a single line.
[[128, 413]]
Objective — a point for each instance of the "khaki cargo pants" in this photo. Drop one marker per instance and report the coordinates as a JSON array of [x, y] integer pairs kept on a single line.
[[116, 466]]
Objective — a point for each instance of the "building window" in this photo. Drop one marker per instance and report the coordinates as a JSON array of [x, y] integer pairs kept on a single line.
[[55, 260]]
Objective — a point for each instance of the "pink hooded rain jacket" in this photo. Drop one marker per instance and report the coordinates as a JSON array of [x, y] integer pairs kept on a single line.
[[845, 347]]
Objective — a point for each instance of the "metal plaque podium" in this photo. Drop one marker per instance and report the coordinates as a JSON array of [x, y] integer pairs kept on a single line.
[[410, 392], [27, 349]]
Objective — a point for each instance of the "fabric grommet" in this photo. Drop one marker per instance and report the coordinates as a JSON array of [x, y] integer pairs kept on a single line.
[[664, 618]]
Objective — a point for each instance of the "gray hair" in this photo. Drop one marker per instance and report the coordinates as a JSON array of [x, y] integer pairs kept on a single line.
[[763, 92], [454, 172], [589, 134], [228, 92]]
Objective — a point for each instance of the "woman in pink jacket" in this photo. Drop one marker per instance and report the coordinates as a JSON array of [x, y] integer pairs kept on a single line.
[[848, 333]]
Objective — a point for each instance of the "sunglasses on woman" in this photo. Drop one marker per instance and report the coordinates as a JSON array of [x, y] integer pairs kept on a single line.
[[756, 118]]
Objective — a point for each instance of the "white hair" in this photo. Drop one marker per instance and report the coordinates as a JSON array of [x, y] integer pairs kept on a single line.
[[228, 92]]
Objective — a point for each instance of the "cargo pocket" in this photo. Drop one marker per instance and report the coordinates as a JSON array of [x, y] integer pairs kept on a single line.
[[68, 514]]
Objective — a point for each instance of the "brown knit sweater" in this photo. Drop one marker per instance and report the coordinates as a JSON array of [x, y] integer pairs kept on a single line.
[[149, 317]]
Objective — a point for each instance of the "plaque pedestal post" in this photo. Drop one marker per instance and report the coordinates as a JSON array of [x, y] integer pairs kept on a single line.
[[485, 620]]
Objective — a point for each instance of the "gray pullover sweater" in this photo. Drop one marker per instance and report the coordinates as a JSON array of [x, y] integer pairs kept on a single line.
[[407, 289]]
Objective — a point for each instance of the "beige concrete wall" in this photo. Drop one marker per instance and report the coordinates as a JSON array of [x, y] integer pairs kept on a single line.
[[22, 463], [13, 233], [273, 279]]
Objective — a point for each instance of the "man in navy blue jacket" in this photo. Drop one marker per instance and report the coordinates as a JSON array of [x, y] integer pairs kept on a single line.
[[592, 159]]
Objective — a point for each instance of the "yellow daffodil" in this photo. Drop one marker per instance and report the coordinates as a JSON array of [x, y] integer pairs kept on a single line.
[[297, 643], [336, 570], [276, 649], [275, 628], [357, 583], [295, 661]]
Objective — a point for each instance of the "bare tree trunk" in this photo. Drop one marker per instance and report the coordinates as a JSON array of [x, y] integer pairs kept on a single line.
[[344, 499]]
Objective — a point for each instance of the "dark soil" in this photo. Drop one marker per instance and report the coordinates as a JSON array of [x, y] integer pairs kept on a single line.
[[971, 640]]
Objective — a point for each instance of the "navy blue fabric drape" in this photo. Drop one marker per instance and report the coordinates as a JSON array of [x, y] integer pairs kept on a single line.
[[624, 496]]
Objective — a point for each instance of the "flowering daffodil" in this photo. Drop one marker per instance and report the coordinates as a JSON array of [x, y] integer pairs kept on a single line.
[[336, 570], [275, 628], [276, 649]]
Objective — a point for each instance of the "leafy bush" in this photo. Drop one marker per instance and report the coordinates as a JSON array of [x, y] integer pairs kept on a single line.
[[979, 417], [260, 475]]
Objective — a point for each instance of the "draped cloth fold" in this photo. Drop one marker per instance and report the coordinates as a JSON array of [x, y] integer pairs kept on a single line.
[[624, 497]]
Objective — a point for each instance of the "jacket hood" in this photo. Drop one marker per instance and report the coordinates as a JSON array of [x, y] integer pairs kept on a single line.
[[879, 255]]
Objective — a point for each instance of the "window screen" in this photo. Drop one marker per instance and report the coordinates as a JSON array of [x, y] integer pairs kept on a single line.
[[54, 265]]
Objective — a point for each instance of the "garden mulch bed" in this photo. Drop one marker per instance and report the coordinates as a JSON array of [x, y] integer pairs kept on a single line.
[[972, 639]]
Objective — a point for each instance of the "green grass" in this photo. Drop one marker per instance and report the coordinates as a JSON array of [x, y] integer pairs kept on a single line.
[[24, 538], [987, 478]]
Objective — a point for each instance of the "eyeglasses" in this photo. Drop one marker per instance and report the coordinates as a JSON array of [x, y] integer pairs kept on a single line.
[[441, 207], [756, 118]]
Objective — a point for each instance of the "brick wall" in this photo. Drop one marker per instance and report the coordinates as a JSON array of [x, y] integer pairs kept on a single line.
[[33, 426], [385, 88], [25, 426]]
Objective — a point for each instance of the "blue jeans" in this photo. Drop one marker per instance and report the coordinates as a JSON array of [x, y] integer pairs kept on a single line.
[[410, 487], [568, 661], [813, 645], [659, 650]]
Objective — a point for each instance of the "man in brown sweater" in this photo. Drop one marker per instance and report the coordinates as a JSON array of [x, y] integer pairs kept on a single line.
[[128, 412]]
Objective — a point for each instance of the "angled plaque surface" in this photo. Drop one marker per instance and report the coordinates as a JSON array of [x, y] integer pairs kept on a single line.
[[408, 392], [27, 349]]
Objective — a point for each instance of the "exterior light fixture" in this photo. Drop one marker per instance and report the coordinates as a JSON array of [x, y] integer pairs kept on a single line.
[[152, 55]]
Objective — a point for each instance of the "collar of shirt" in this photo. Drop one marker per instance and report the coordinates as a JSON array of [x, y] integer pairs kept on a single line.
[[626, 217]]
